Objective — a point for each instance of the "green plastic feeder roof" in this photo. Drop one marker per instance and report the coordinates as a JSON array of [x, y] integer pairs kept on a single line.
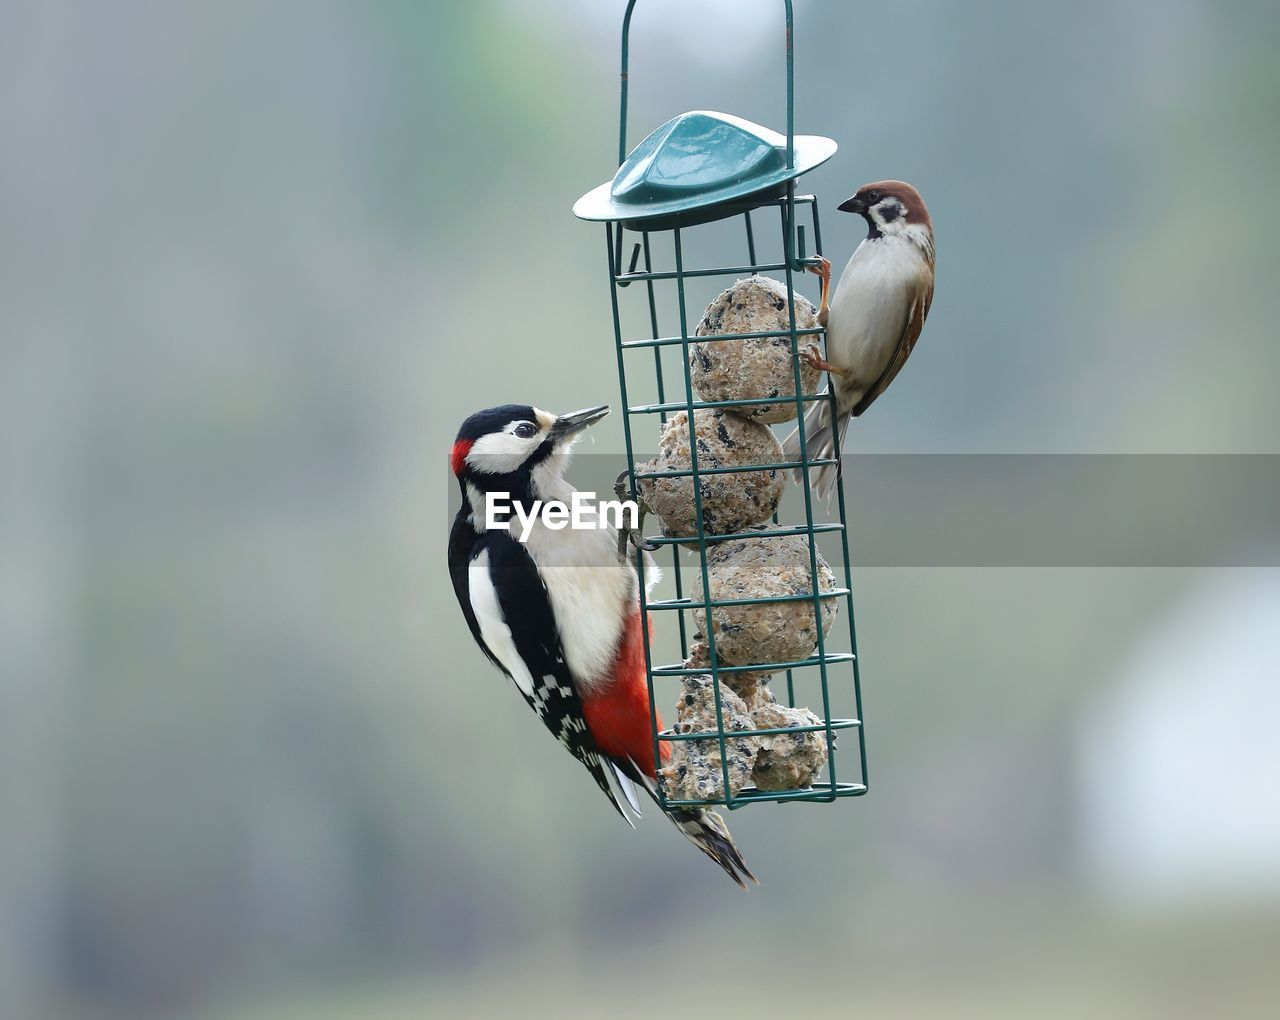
[[698, 160]]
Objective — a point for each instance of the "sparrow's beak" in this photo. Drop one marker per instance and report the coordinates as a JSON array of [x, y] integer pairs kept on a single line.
[[853, 205], [574, 422]]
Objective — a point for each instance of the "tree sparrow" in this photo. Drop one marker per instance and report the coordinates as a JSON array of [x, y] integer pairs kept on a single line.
[[874, 319]]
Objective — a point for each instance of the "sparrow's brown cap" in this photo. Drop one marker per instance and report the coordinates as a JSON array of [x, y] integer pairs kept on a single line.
[[869, 194]]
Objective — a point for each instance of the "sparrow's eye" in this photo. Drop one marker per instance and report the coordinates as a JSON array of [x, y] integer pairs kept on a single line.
[[873, 197], [526, 430]]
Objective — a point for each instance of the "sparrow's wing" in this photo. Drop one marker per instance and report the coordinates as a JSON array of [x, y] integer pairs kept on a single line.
[[917, 312], [509, 611]]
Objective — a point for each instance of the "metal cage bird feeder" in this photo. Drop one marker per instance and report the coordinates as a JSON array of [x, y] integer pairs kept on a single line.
[[706, 170]]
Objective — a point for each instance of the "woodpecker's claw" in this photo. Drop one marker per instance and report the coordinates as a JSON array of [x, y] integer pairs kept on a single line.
[[633, 535], [823, 270], [620, 487]]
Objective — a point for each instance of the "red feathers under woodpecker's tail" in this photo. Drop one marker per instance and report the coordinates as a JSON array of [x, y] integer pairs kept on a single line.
[[618, 716], [619, 720]]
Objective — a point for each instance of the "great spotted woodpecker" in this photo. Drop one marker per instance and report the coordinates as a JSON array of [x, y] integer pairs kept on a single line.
[[559, 613]]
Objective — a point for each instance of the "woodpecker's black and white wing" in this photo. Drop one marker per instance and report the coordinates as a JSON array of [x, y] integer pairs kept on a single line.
[[507, 607]]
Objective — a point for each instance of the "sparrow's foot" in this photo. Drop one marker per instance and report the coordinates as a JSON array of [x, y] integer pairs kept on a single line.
[[814, 357], [823, 270]]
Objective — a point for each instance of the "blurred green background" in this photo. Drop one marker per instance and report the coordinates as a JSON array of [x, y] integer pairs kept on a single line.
[[257, 260]]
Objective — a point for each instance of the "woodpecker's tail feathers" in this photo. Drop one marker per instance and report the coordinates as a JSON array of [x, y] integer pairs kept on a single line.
[[822, 442], [702, 827], [706, 830]]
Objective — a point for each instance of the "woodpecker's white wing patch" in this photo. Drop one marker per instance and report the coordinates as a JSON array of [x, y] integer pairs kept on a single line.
[[493, 625]]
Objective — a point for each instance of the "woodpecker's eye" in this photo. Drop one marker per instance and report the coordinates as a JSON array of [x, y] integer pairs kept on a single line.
[[526, 430]]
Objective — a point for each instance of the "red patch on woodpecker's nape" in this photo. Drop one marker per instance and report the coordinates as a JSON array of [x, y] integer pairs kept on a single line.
[[458, 455]]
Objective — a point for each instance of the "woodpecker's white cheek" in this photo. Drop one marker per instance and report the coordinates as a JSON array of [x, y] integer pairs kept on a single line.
[[499, 453]]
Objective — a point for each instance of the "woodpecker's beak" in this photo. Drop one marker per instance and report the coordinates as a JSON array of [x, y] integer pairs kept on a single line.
[[853, 205], [575, 421]]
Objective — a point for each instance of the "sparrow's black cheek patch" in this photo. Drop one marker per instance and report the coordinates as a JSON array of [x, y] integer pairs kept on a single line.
[[890, 212]]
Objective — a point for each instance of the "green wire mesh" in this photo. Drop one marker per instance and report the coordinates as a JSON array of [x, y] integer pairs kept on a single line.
[[827, 663]]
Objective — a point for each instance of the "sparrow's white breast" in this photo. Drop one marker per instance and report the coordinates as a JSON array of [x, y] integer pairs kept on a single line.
[[869, 310]]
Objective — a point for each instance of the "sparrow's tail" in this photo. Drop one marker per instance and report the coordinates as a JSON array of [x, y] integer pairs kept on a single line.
[[706, 830], [822, 442]]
